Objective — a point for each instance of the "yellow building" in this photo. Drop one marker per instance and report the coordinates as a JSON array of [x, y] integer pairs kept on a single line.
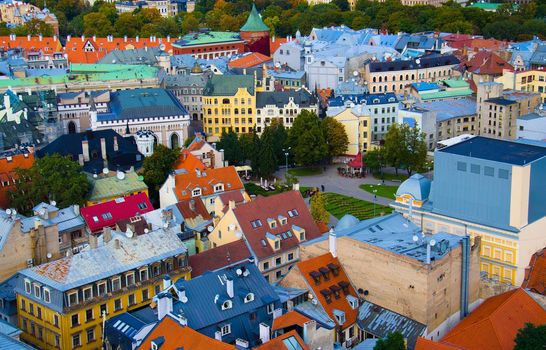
[[357, 124], [530, 80], [114, 185], [229, 102], [61, 304]]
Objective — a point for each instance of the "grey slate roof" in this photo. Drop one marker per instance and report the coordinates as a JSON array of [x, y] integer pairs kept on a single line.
[[227, 85], [302, 98], [136, 56], [429, 61], [172, 81]]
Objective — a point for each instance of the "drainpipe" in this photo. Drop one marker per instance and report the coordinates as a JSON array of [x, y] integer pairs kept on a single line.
[[465, 266]]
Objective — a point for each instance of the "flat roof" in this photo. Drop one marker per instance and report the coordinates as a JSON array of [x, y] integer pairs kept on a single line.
[[502, 151]]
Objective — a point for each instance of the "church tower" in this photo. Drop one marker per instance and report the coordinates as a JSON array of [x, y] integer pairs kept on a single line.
[[255, 33]]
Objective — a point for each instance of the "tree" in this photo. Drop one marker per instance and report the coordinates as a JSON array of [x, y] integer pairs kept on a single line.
[[96, 23], [336, 137], [414, 150], [229, 142], [276, 134], [318, 209], [267, 163], [393, 145], [342, 4], [531, 337], [394, 341], [306, 138], [375, 160], [156, 168], [36, 26], [51, 178], [190, 23]]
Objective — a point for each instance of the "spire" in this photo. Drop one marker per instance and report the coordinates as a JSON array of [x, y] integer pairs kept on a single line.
[[127, 131], [92, 107], [254, 22]]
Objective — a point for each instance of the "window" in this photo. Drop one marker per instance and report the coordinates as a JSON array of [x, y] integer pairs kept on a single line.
[[278, 274], [117, 305], [31, 308], [56, 320], [226, 329], [75, 320], [256, 223], [292, 213], [88, 315], [91, 335], [461, 166], [103, 310], [290, 256], [47, 295], [196, 192], [37, 291], [277, 244], [488, 171], [142, 205], [143, 274], [249, 297], [72, 298], [270, 308], [101, 288], [87, 293], [106, 216], [131, 300], [28, 287], [76, 340], [130, 279], [227, 305], [503, 174], [278, 261], [116, 284], [218, 188], [266, 265], [145, 294], [39, 312], [474, 168]]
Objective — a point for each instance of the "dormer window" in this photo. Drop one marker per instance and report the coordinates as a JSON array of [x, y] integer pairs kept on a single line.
[[227, 305], [352, 301], [302, 236], [316, 276], [277, 244], [196, 192], [256, 223], [218, 188], [340, 316], [292, 213], [272, 223], [327, 295], [282, 220], [249, 297]]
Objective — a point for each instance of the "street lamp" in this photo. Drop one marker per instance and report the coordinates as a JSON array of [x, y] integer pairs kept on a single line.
[[286, 153]]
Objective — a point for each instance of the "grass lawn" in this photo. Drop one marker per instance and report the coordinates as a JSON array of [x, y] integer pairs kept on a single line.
[[401, 176], [338, 205], [382, 190], [305, 171]]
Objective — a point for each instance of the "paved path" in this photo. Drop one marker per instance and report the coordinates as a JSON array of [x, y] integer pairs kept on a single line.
[[347, 186]]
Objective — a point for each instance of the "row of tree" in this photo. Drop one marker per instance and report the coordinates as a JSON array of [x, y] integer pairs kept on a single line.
[[285, 17], [310, 140]]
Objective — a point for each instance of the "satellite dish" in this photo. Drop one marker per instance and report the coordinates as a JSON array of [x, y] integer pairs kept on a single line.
[[277, 65], [166, 225], [105, 171], [53, 203], [418, 61], [8, 211], [129, 233], [120, 175], [239, 234], [415, 238], [146, 230], [314, 301], [95, 176], [239, 272], [355, 73], [184, 299], [49, 255], [210, 228], [162, 47], [432, 242], [13, 212]]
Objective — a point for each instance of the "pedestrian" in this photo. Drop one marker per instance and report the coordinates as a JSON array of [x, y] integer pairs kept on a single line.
[[322, 188]]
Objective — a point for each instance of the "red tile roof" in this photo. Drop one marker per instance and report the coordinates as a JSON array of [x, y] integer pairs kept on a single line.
[[206, 180], [138, 223], [108, 213], [219, 257], [426, 344], [250, 60], [236, 196], [264, 208], [486, 62], [334, 283], [495, 323], [7, 173], [47, 45], [278, 342], [176, 336], [193, 208], [535, 273], [275, 43], [289, 319]]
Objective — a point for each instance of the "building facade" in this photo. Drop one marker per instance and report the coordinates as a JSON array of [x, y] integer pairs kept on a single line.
[[358, 126], [189, 91], [209, 44], [73, 109]]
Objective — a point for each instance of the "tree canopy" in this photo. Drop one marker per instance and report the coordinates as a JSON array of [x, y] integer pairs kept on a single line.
[[306, 137], [405, 147], [51, 178], [394, 341], [156, 168], [531, 337], [318, 208]]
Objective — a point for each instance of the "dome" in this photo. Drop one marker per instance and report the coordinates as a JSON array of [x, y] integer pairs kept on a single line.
[[144, 134], [196, 69], [417, 186], [346, 221]]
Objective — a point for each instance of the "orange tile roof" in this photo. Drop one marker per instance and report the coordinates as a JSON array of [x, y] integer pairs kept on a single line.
[[486, 62], [426, 344], [278, 343], [290, 318], [275, 43], [252, 59], [206, 180], [495, 323], [340, 303], [535, 273], [177, 336], [75, 47], [189, 162], [47, 45], [7, 173]]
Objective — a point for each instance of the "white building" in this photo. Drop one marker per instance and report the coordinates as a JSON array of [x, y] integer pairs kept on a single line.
[[532, 126], [73, 109]]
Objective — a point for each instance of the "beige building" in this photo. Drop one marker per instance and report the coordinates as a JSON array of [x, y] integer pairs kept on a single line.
[[525, 80], [498, 109], [273, 228], [394, 76], [358, 126], [389, 268], [73, 109]]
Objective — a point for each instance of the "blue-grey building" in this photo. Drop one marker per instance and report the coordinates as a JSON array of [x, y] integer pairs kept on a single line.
[[488, 188]]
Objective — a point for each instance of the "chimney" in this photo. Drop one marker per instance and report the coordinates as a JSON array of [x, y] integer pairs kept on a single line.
[[117, 243], [164, 305], [7, 103], [28, 37], [264, 333], [295, 187], [166, 282], [107, 234], [85, 150], [309, 329], [231, 204], [229, 287], [103, 147], [218, 335], [137, 38], [125, 38], [80, 159], [182, 295], [192, 204], [76, 208], [68, 37], [332, 242], [116, 147], [93, 241], [40, 37]]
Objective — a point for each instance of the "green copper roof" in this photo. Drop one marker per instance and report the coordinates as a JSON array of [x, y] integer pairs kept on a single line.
[[227, 85], [254, 22], [456, 83], [207, 38], [445, 94], [108, 187]]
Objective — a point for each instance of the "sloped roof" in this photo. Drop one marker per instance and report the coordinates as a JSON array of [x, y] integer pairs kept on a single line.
[[185, 183], [187, 162], [176, 336], [248, 60], [286, 341], [301, 97], [111, 186], [426, 344], [535, 273], [8, 167], [217, 258], [108, 213], [417, 186], [327, 262], [227, 85], [495, 323], [193, 208], [289, 319], [487, 62], [270, 208], [254, 22]]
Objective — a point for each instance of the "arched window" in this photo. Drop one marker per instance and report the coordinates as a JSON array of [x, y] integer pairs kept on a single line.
[[71, 127], [225, 101], [374, 79], [250, 111], [380, 79], [175, 142], [236, 111]]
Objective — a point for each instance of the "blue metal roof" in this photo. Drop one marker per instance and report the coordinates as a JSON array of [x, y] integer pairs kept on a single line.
[[7, 342], [425, 86], [417, 185], [502, 151], [449, 109], [121, 329]]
